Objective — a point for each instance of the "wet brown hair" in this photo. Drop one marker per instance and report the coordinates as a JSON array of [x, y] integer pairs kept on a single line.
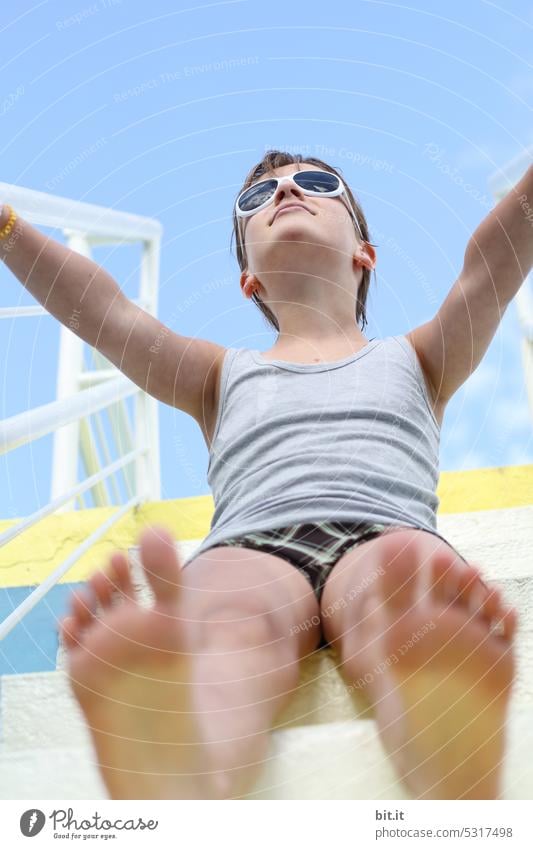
[[272, 160]]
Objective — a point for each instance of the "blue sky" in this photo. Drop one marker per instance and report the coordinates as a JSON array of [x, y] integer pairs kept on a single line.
[[162, 108]]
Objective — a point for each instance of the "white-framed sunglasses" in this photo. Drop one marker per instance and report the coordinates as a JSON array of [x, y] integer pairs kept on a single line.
[[313, 183]]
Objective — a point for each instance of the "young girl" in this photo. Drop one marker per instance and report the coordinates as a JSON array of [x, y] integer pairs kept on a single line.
[[323, 467]]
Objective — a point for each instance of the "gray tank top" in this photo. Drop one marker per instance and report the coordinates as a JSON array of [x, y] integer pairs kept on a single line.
[[354, 440]]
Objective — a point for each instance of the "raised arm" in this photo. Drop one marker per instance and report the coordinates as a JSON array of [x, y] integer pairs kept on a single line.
[[178, 370], [498, 258]]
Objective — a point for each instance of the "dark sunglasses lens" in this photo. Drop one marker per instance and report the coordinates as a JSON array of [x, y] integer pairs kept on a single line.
[[317, 181], [256, 195]]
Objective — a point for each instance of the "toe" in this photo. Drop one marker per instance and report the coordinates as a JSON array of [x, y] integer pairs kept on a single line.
[[122, 574], [511, 622], [496, 611], [398, 583], [493, 606], [444, 580], [83, 606], [160, 562], [462, 584], [452, 582], [471, 593], [103, 588], [508, 620], [69, 631], [113, 583]]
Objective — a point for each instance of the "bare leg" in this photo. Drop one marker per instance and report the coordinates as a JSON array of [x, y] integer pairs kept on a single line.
[[438, 676], [176, 710]]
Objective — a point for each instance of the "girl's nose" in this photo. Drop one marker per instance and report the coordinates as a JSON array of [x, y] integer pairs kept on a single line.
[[286, 189]]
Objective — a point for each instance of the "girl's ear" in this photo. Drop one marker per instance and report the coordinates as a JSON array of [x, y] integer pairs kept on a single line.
[[247, 281], [366, 255], [372, 254]]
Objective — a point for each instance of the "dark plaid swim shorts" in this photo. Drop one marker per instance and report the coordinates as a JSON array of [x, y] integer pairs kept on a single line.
[[313, 548]]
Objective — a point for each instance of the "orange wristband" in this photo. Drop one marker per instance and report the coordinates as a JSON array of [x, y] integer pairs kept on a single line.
[[6, 230]]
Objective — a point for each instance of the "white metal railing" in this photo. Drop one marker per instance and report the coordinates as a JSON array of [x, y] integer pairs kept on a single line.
[[501, 182], [51, 580], [82, 393]]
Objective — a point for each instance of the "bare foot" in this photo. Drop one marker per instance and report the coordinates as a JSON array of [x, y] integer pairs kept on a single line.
[[129, 669], [442, 675]]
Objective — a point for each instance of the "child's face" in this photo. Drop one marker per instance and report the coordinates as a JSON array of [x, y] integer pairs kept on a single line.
[[318, 239], [326, 216]]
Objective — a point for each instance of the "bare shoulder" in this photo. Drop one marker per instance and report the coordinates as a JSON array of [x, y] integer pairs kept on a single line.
[[438, 404]]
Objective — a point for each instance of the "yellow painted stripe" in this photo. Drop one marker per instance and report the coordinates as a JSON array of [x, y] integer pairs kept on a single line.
[[29, 558], [485, 489]]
